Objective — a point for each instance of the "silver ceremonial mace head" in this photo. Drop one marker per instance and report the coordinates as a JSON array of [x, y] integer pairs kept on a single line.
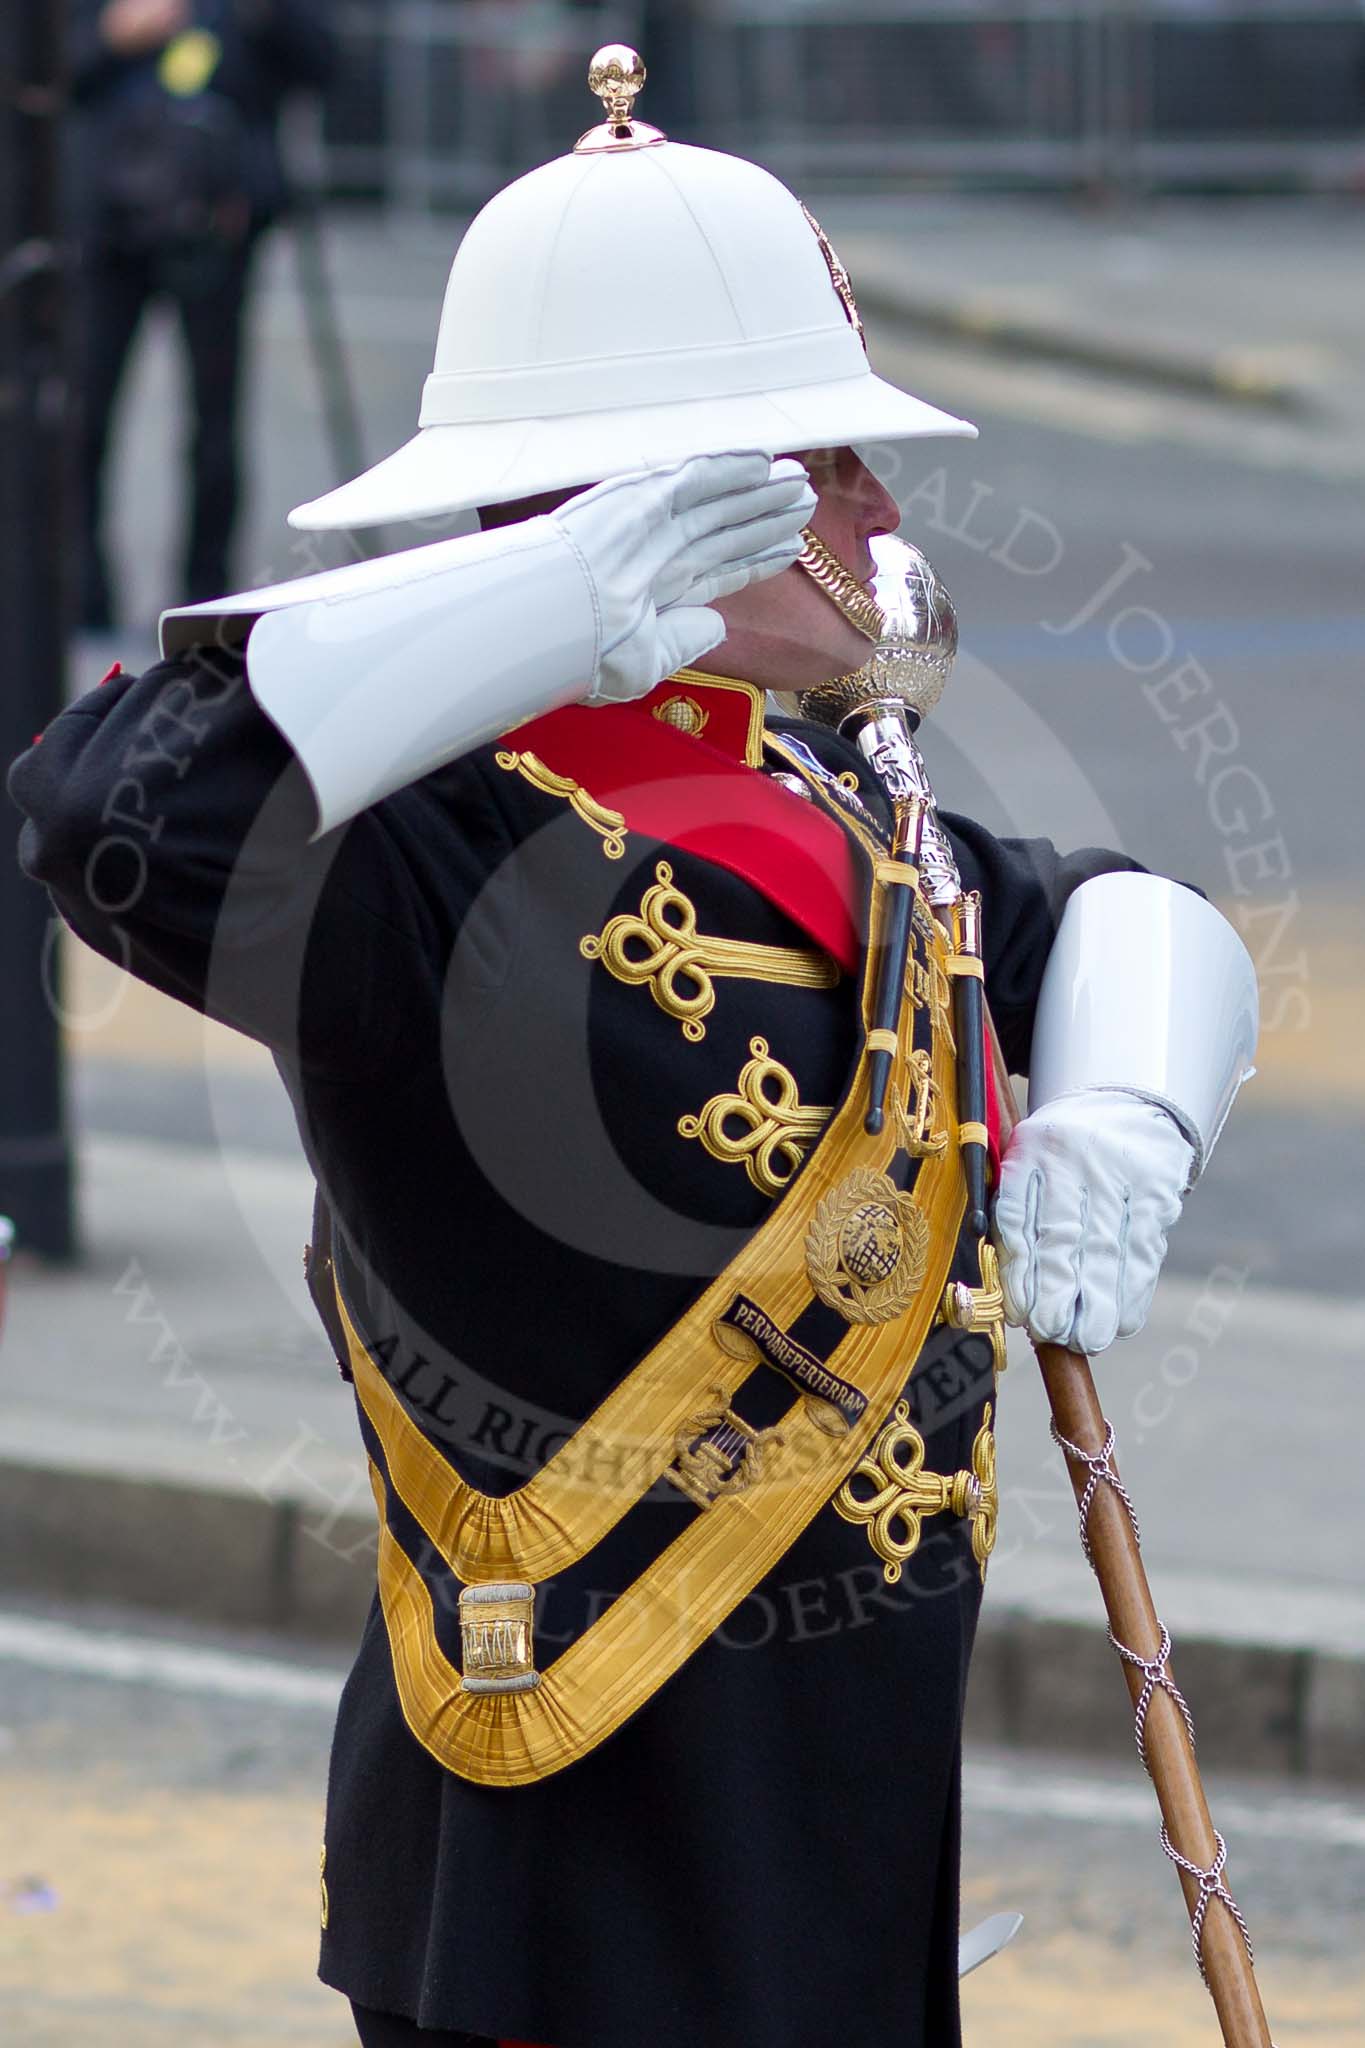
[[915, 641], [909, 616]]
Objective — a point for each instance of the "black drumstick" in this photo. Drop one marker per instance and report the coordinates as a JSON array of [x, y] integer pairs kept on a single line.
[[893, 959]]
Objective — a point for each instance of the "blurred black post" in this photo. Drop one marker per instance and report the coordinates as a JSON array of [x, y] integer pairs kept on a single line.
[[35, 1160]]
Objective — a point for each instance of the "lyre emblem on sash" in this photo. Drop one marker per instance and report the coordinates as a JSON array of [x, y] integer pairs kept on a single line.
[[719, 1453]]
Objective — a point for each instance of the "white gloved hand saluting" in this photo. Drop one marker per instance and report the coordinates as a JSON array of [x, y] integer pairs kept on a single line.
[[381, 672], [659, 547], [1089, 1186]]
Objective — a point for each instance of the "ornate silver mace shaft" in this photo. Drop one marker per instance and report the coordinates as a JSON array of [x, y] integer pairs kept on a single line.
[[910, 620]]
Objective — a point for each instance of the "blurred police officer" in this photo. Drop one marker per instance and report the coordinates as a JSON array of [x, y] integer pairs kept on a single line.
[[178, 170]]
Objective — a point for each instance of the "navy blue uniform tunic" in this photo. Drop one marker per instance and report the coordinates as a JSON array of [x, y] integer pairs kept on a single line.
[[767, 1853]]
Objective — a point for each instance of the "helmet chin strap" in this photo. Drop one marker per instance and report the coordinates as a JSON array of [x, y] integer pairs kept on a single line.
[[841, 586]]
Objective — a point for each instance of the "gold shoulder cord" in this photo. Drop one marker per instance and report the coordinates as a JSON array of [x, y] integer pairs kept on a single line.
[[609, 824], [522, 1728]]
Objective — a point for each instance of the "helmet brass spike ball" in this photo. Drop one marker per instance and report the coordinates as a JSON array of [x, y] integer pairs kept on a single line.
[[617, 75]]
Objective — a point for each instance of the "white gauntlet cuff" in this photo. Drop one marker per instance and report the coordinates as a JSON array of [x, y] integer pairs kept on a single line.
[[1147, 989]]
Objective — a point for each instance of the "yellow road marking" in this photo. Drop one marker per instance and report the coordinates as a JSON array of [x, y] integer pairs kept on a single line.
[[1080, 1991], [1310, 1051], [1312, 978], [110, 1015], [194, 1916]]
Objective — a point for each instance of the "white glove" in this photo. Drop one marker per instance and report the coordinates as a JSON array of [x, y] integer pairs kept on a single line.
[[1089, 1186], [657, 548], [380, 672]]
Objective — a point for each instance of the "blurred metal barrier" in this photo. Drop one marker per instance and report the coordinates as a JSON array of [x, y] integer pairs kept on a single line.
[[1123, 96], [443, 100], [907, 87]]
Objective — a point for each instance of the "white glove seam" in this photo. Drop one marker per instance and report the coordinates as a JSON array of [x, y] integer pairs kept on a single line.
[[595, 599], [1072, 1337], [1032, 1197], [1120, 1263]]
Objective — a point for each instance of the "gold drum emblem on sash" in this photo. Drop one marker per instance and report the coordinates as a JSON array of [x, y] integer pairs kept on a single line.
[[497, 1630]]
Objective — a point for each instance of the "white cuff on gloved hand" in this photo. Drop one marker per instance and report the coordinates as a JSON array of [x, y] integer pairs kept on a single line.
[[1089, 1186]]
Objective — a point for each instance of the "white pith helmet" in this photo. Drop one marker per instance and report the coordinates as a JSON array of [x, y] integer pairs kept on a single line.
[[629, 305]]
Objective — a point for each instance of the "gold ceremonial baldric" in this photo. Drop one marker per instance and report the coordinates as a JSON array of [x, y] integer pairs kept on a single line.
[[845, 1233]]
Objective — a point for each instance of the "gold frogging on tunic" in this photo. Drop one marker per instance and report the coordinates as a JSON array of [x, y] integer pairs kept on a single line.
[[867, 1248], [497, 1637], [671, 1610], [662, 950], [774, 1126], [980, 1309], [903, 1493]]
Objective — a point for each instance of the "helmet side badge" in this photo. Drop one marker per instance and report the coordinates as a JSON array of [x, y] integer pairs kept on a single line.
[[838, 276]]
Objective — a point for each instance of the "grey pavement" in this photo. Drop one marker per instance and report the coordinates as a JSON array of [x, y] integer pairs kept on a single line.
[[173, 1429]]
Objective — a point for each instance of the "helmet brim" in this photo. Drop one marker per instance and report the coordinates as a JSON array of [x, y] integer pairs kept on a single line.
[[444, 470]]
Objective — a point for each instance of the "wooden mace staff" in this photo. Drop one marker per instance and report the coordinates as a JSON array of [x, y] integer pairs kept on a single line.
[[1165, 1731]]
